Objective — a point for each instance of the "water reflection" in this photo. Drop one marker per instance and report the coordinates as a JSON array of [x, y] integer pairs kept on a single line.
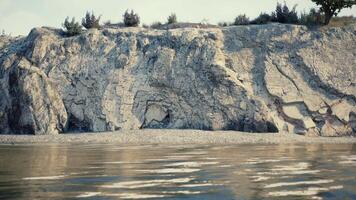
[[320, 171]]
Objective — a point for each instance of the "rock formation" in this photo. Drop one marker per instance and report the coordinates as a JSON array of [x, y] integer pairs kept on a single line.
[[260, 78]]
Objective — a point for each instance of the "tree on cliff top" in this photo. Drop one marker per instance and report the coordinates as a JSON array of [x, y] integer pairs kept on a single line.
[[72, 28], [131, 18], [172, 19], [241, 20], [91, 21], [285, 15], [332, 8]]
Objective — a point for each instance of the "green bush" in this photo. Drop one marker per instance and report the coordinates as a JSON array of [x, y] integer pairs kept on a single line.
[[263, 18], [131, 19], [91, 21], [72, 28], [156, 25], [313, 18], [172, 19], [284, 15], [223, 24], [241, 20]]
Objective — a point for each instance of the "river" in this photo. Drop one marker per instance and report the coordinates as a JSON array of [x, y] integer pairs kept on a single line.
[[103, 171]]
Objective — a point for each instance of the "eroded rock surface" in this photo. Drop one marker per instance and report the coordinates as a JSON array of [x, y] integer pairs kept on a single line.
[[264, 78]]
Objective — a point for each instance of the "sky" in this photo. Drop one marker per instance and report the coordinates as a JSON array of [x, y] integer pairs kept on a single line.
[[18, 17]]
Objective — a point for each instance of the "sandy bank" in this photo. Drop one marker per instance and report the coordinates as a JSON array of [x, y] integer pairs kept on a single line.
[[173, 137]]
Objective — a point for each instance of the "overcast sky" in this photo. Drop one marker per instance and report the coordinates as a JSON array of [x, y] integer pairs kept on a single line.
[[19, 16]]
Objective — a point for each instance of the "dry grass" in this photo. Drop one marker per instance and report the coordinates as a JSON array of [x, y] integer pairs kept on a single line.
[[341, 21]]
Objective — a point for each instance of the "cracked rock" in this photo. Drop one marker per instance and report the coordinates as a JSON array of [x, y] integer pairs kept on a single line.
[[258, 78]]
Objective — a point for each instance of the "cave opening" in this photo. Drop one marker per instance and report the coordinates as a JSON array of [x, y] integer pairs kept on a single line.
[[76, 125]]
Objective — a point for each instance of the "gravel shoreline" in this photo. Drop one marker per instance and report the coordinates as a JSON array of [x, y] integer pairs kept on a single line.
[[171, 137]]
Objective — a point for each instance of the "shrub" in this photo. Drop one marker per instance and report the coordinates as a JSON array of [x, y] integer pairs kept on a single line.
[[284, 15], [342, 21], [172, 19], [156, 25], [313, 18], [223, 24], [333, 7], [241, 20], [131, 19], [91, 21], [107, 23], [263, 18], [72, 28]]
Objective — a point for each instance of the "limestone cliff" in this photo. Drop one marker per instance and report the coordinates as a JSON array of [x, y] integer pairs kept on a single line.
[[264, 78]]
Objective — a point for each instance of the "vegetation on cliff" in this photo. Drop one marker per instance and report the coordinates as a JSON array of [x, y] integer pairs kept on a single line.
[[282, 14], [72, 28], [332, 8], [131, 19], [91, 21], [172, 19]]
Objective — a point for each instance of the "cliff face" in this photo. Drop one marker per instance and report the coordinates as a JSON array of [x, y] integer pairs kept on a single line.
[[251, 78]]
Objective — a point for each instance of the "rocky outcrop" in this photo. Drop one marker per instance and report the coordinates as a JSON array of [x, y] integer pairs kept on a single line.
[[266, 78]]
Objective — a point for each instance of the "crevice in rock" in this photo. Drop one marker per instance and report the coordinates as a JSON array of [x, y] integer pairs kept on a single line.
[[314, 80], [352, 122], [155, 124], [14, 117], [285, 75], [251, 125], [271, 127], [76, 125]]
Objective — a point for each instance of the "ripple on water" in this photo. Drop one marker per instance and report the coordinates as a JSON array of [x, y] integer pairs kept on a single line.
[[299, 172], [169, 170], [210, 158], [122, 162], [192, 153], [348, 160], [44, 177], [311, 191], [273, 185], [199, 185], [186, 192], [136, 196], [147, 183], [175, 157], [259, 161], [190, 164], [88, 194], [260, 178], [293, 167], [155, 160]]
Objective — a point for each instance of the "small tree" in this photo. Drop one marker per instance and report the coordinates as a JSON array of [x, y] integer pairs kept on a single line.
[[91, 21], [332, 8], [263, 18], [156, 25], [3, 32], [241, 20], [312, 18], [223, 24], [172, 19], [72, 28], [284, 15], [131, 19]]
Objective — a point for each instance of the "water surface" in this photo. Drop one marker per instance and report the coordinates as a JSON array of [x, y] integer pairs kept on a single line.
[[320, 171]]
